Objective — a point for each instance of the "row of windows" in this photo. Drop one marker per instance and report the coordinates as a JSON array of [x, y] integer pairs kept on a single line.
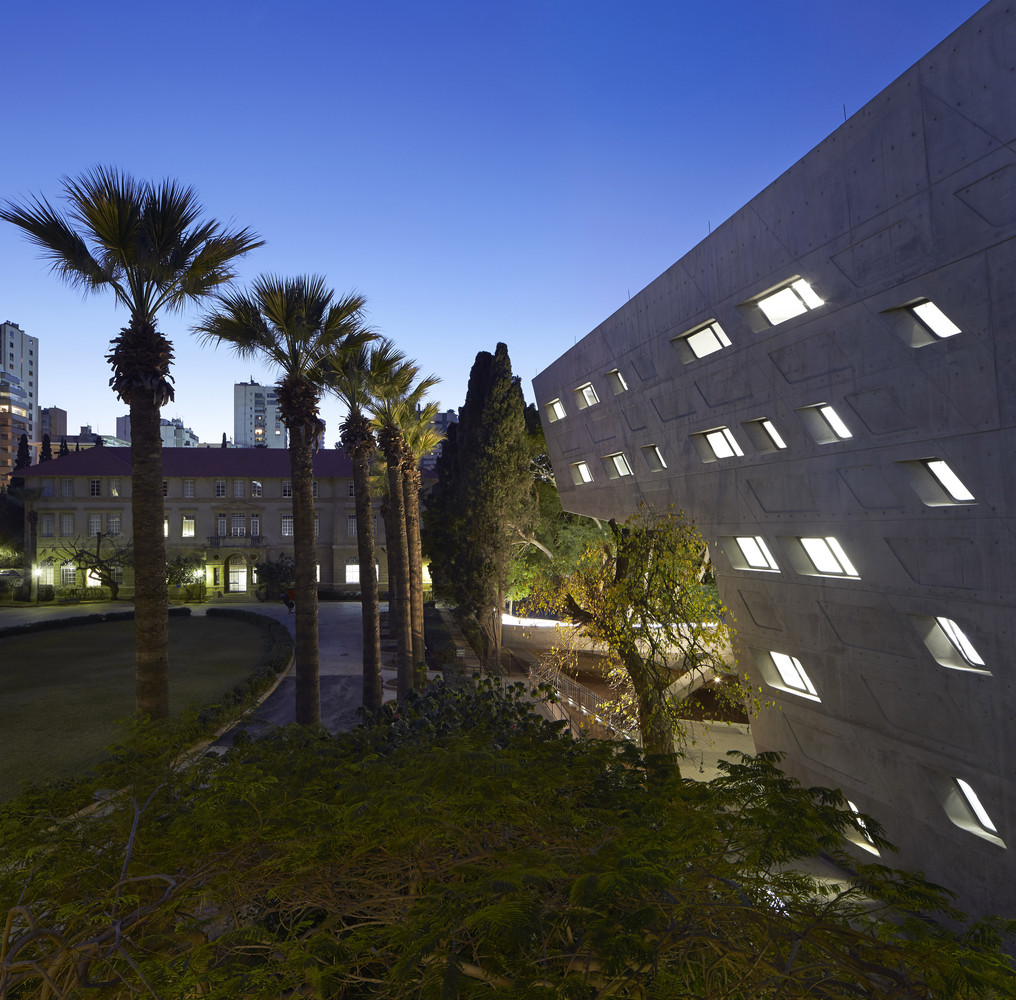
[[783, 303], [236, 488], [107, 524], [235, 525], [961, 802]]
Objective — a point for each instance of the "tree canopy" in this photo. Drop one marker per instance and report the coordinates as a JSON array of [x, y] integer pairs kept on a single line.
[[462, 847]]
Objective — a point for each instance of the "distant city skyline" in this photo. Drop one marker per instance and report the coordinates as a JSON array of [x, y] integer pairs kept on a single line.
[[479, 173]]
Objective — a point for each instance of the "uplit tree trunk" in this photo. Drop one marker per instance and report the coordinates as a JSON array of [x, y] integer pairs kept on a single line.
[[390, 440], [151, 596], [411, 489], [308, 693]]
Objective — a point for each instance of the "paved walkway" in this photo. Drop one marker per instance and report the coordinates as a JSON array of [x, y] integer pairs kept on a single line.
[[340, 650]]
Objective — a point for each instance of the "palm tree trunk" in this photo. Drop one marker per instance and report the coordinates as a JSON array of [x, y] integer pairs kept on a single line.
[[373, 693], [301, 463], [151, 598], [411, 485], [398, 574]]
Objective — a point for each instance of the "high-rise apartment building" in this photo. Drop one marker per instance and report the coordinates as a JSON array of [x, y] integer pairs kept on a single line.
[[257, 422], [19, 394]]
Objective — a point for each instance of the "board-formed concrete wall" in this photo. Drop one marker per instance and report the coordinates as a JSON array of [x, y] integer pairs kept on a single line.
[[911, 200]]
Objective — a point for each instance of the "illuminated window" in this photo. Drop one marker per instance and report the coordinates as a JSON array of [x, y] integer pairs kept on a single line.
[[975, 806], [616, 382], [617, 465], [949, 644], [933, 319], [763, 435], [785, 303], [585, 395], [755, 553], [287, 525], [653, 457], [165, 527], [824, 424], [863, 839], [68, 574], [964, 807], [793, 675], [701, 341], [934, 481], [827, 557], [187, 526], [580, 473], [716, 444]]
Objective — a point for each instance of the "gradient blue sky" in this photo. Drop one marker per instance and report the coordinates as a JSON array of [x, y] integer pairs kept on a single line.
[[479, 171]]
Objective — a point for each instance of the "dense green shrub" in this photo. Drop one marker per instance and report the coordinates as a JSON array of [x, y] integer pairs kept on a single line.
[[46, 592], [460, 846]]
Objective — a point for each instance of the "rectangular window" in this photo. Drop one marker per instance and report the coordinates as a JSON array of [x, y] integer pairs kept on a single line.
[[317, 525], [716, 444], [791, 300], [793, 674], [933, 319], [94, 525], [827, 557], [165, 526], [47, 575], [112, 524], [66, 487], [974, 804], [580, 473], [237, 488], [701, 341], [114, 487], [66, 525], [751, 552], [220, 487], [238, 525], [949, 644], [188, 489], [616, 382], [351, 488], [187, 526], [287, 489], [824, 424], [555, 412], [47, 525], [47, 487], [95, 487], [313, 489], [68, 575], [221, 522], [350, 524], [165, 489], [585, 395], [352, 572], [255, 525], [617, 465], [287, 525], [653, 457], [764, 435], [255, 487]]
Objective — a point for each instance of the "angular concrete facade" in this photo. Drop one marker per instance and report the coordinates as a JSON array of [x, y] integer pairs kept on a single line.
[[852, 465]]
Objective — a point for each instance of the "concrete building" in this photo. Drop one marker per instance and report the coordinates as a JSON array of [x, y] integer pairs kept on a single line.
[[826, 386], [13, 422], [52, 421], [232, 507], [20, 368], [257, 422], [175, 435]]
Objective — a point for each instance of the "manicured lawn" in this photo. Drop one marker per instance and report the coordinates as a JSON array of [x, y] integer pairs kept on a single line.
[[62, 691]]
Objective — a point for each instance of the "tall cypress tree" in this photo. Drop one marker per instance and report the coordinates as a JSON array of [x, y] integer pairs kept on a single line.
[[483, 501], [47, 449], [64, 450], [24, 459]]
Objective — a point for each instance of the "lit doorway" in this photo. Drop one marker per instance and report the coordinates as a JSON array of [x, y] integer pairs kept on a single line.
[[236, 575]]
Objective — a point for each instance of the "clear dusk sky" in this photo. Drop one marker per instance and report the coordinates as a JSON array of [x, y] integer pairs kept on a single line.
[[479, 171]]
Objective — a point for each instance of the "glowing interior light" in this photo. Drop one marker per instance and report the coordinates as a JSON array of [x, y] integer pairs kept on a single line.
[[774, 434], [959, 639], [839, 428], [708, 340], [792, 673], [948, 479], [723, 443], [581, 473], [975, 804], [555, 410], [786, 303], [827, 556], [841, 556], [935, 320], [755, 551], [619, 464]]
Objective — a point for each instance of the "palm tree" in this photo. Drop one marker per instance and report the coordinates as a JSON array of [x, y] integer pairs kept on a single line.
[[295, 324], [353, 377], [387, 408], [147, 243], [420, 437]]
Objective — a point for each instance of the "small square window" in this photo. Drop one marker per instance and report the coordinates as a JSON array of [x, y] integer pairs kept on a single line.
[[701, 341], [653, 457], [617, 465], [554, 410], [793, 299], [616, 382], [585, 395], [716, 444], [580, 473]]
